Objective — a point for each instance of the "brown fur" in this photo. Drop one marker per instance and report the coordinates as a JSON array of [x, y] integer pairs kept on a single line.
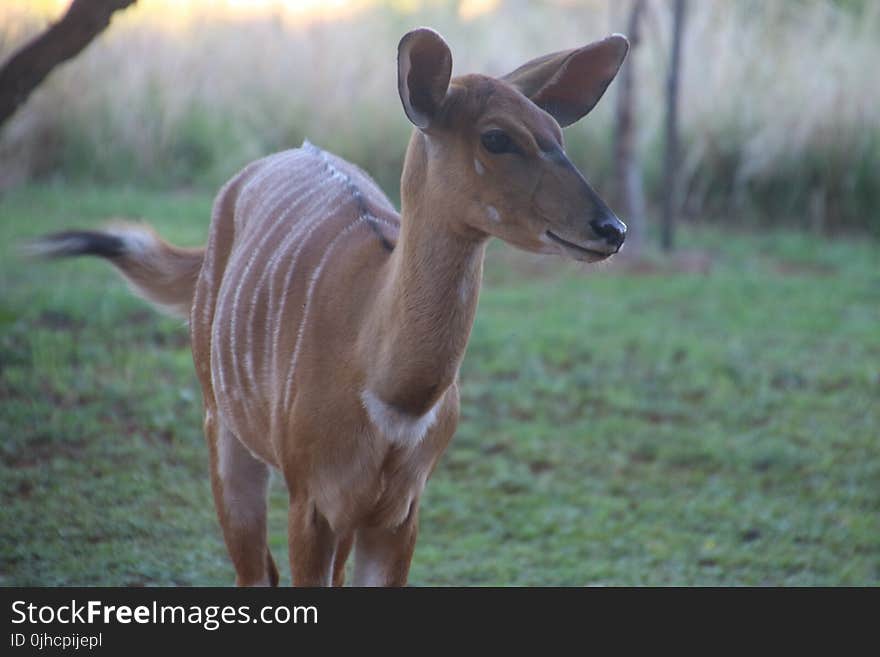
[[165, 275], [289, 336]]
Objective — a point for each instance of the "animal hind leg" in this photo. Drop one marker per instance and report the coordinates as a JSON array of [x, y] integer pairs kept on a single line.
[[239, 482]]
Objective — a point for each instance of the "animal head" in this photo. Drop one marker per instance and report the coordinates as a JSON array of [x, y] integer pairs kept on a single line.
[[493, 147]]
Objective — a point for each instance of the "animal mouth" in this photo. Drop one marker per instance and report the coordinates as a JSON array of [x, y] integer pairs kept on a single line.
[[580, 252]]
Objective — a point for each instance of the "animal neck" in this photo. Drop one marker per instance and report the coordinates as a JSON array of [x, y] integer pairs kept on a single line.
[[425, 310]]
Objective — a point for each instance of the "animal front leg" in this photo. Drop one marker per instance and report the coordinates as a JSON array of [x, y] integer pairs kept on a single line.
[[343, 547], [312, 543], [383, 555]]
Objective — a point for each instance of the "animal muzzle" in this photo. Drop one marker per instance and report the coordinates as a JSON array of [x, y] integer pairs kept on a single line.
[[609, 229]]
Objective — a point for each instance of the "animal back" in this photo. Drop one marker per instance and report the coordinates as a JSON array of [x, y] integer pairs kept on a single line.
[[301, 218]]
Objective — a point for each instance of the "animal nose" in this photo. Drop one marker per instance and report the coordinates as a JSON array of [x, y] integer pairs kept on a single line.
[[611, 229]]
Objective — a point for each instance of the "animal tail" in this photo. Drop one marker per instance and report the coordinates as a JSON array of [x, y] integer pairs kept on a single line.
[[161, 273]]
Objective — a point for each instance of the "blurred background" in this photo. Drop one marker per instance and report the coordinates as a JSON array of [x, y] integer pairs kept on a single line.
[[702, 411], [777, 100]]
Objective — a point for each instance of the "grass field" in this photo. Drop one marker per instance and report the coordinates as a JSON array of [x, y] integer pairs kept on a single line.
[[621, 426]]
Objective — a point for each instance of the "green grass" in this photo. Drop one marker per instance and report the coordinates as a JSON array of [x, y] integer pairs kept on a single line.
[[619, 426]]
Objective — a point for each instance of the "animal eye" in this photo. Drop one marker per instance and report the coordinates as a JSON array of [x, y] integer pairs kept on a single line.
[[497, 142]]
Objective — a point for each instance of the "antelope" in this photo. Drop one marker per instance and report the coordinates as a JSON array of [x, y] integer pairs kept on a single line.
[[327, 330]]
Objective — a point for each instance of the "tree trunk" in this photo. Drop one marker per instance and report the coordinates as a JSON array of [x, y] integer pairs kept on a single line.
[[627, 170], [670, 183], [28, 67]]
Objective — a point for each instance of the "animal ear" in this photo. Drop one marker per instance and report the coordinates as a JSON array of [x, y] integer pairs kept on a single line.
[[568, 84], [424, 66]]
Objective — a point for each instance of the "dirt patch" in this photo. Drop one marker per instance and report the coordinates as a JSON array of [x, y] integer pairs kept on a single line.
[[795, 268], [679, 262], [56, 320], [539, 467], [39, 450]]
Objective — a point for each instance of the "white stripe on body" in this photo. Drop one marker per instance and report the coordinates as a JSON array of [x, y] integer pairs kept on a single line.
[[271, 197], [362, 220], [316, 275], [317, 220], [356, 177], [279, 194], [317, 200], [253, 187], [218, 377], [208, 303], [278, 251]]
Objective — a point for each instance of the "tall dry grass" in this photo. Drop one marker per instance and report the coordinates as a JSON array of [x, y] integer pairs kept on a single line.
[[779, 99]]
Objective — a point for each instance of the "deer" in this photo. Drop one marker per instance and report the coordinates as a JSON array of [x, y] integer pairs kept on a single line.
[[327, 329]]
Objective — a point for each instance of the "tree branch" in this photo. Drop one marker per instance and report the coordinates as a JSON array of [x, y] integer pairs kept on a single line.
[[630, 198], [30, 64], [670, 160]]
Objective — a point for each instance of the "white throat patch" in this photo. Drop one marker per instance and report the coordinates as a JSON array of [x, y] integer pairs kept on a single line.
[[399, 428]]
